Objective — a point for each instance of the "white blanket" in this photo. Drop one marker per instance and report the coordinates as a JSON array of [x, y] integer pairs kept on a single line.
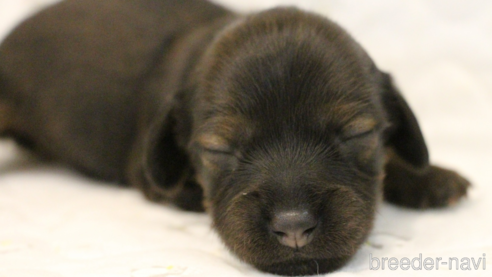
[[55, 222]]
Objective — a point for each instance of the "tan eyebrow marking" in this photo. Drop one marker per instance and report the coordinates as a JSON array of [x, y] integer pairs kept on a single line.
[[213, 141], [342, 112], [359, 125], [220, 132]]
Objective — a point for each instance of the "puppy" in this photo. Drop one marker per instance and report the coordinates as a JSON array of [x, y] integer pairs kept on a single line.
[[276, 123]]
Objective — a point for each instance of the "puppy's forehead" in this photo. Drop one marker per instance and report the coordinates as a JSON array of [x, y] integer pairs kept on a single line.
[[285, 66]]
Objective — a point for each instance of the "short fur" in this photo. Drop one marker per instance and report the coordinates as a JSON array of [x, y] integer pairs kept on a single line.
[[244, 115]]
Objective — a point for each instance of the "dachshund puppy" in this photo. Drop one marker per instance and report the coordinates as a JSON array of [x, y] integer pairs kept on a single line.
[[278, 124]]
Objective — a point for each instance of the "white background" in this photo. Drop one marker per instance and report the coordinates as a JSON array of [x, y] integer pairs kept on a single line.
[[55, 222]]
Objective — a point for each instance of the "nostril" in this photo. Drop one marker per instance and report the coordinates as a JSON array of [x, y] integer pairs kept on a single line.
[[310, 230], [280, 234], [294, 228]]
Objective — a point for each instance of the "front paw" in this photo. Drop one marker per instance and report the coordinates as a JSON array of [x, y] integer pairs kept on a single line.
[[433, 188], [441, 188]]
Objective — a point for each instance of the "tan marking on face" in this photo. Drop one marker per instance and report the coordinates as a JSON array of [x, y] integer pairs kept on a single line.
[[359, 126], [208, 163], [370, 145], [213, 142], [340, 112], [219, 132]]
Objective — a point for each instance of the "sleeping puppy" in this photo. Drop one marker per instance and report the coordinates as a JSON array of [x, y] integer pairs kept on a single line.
[[278, 124]]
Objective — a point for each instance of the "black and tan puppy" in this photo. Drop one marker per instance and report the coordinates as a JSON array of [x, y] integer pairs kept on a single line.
[[277, 123]]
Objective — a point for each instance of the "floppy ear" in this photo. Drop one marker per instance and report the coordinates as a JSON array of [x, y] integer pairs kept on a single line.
[[165, 165], [404, 136], [162, 169]]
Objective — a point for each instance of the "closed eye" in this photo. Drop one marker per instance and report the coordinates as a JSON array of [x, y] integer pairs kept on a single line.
[[221, 154], [354, 135], [219, 151], [359, 128], [214, 144]]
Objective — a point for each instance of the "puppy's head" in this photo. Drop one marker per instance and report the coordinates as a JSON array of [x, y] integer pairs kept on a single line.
[[290, 124]]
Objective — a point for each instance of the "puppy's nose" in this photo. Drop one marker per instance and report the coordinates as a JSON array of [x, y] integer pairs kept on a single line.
[[294, 228]]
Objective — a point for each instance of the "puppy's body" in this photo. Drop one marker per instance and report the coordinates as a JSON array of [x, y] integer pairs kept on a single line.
[[93, 60], [278, 122]]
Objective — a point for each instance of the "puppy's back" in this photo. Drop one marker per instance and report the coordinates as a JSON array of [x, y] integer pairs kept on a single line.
[[70, 75]]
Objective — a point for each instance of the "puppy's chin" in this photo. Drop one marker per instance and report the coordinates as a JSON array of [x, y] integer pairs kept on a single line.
[[304, 266], [244, 222]]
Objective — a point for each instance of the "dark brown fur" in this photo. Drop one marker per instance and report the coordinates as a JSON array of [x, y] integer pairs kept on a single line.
[[243, 115]]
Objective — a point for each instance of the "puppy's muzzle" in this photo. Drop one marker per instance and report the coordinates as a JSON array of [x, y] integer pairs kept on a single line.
[[294, 228]]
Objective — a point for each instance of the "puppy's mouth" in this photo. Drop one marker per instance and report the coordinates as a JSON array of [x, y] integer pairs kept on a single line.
[[304, 266], [308, 260]]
